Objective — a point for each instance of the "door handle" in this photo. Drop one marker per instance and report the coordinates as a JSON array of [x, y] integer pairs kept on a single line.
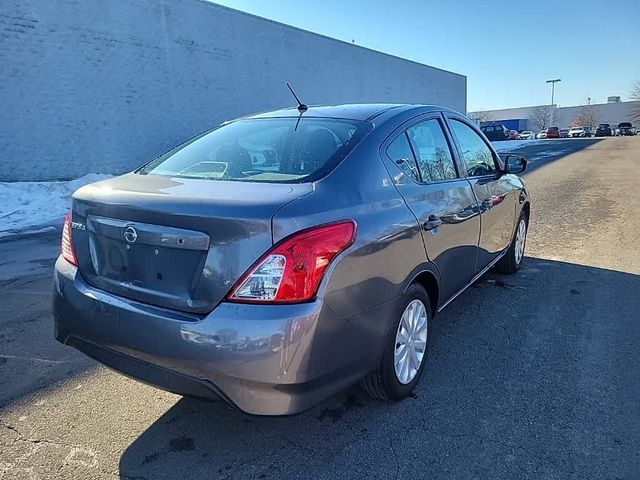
[[432, 222]]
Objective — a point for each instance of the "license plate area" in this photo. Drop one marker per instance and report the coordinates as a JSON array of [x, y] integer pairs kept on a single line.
[[145, 261]]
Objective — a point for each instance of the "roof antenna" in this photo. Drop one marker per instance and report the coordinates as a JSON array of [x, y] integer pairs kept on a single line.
[[301, 106]]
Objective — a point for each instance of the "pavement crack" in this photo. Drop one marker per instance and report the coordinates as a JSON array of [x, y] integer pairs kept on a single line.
[[36, 359], [36, 441], [395, 457]]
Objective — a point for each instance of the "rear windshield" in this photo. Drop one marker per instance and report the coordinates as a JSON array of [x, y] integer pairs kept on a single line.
[[275, 150], [624, 125], [552, 129]]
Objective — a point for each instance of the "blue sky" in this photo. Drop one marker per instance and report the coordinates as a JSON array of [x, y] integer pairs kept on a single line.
[[506, 49]]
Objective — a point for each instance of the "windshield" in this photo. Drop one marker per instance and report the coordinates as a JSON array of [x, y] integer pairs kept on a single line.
[[275, 150]]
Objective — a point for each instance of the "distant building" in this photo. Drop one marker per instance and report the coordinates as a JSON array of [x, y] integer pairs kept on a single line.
[[527, 118]]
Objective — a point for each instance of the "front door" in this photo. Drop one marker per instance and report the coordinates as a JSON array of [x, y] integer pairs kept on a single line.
[[495, 193], [442, 201]]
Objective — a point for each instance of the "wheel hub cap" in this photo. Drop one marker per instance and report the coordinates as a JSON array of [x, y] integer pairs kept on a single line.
[[521, 238], [411, 342]]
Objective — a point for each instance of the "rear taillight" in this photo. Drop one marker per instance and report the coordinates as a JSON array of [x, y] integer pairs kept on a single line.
[[293, 269], [67, 245]]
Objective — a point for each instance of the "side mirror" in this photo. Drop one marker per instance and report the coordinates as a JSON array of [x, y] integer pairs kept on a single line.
[[515, 164]]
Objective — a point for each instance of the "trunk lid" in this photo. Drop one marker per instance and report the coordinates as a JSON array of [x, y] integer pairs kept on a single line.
[[174, 242]]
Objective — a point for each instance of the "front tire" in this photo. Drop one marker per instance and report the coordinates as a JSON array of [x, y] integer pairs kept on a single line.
[[406, 348], [512, 260]]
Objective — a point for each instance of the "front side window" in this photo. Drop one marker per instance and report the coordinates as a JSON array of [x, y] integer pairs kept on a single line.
[[476, 154], [400, 152], [432, 151], [273, 150]]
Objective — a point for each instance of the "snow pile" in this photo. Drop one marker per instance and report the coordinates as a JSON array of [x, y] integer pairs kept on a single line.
[[26, 207], [508, 145]]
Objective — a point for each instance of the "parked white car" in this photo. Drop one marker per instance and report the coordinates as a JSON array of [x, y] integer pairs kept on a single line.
[[542, 134], [526, 135], [580, 132]]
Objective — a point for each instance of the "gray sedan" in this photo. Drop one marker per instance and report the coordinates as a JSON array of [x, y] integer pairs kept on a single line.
[[283, 257]]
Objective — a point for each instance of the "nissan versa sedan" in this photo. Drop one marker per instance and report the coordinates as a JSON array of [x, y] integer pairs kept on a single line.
[[280, 258]]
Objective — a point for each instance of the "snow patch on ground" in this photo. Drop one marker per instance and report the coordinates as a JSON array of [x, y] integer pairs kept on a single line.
[[29, 207], [507, 145]]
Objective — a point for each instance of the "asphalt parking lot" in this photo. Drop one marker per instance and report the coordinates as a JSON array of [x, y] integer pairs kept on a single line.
[[530, 376]]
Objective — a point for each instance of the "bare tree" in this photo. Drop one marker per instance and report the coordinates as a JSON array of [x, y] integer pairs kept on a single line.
[[635, 95], [481, 116], [541, 117], [586, 118]]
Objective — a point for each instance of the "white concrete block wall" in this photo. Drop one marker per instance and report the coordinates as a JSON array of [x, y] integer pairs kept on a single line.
[[105, 85]]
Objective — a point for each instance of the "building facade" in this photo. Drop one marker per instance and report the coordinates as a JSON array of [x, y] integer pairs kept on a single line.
[[531, 118], [104, 85]]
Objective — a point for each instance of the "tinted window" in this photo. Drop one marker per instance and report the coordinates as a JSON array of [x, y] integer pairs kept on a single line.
[[432, 151], [264, 150], [400, 152], [476, 154]]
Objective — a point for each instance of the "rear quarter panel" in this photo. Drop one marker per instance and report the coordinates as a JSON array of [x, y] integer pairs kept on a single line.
[[362, 285], [388, 244]]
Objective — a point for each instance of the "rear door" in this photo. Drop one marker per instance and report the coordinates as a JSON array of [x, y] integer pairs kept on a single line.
[[495, 192], [442, 201]]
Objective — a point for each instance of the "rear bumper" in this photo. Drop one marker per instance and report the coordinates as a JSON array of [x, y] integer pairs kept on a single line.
[[263, 359]]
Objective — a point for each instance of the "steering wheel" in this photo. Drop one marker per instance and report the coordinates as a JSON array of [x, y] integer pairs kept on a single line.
[[478, 170]]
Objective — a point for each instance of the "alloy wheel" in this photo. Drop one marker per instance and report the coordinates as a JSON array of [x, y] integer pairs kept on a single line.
[[411, 342], [521, 238]]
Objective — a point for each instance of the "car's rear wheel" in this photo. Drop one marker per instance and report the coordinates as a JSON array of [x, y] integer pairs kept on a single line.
[[512, 260], [405, 354]]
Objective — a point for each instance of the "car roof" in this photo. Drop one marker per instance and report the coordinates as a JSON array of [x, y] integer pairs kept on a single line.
[[352, 111]]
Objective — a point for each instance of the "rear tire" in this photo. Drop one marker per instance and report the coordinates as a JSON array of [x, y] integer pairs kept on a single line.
[[512, 260], [408, 338]]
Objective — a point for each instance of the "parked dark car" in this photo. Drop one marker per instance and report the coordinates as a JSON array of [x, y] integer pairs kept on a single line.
[[625, 129], [604, 130], [553, 132], [496, 133], [280, 258], [564, 133]]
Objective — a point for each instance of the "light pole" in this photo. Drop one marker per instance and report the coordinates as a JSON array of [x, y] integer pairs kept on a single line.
[[553, 88]]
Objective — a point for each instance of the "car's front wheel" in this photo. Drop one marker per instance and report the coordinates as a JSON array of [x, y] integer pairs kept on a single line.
[[406, 348], [512, 259]]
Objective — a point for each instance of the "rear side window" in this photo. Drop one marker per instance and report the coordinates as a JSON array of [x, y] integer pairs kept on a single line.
[[476, 155], [400, 152], [273, 150], [432, 151]]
